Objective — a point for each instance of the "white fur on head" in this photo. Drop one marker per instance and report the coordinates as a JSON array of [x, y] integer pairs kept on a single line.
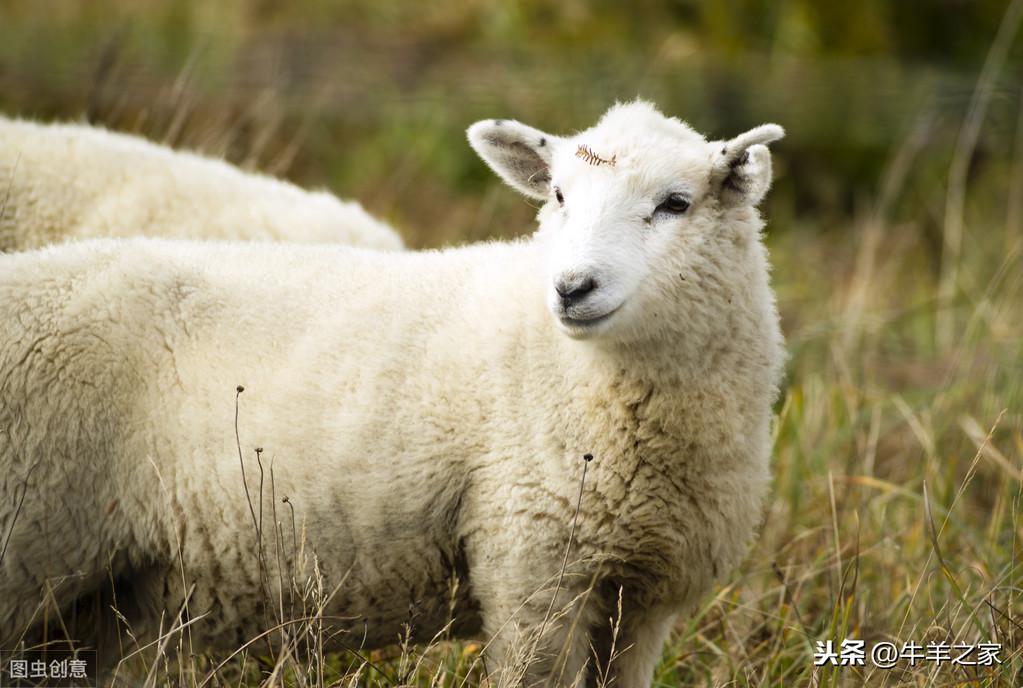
[[742, 168], [520, 155], [629, 204]]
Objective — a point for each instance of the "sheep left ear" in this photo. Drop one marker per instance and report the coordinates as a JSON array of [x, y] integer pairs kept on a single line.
[[741, 171], [521, 155]]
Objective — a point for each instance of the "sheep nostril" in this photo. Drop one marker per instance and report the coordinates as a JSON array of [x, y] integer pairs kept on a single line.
[[588, 285], [574, 290]]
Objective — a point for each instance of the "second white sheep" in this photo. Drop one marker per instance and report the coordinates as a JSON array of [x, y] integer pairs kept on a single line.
[[72, 181]]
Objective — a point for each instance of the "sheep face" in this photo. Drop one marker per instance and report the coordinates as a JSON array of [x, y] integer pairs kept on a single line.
[[626, 205]]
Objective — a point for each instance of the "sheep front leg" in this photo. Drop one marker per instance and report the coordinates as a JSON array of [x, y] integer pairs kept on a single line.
[[627, 658], [533, 642]]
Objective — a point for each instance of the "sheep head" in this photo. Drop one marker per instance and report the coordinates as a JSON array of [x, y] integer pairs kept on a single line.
[[627, 205]]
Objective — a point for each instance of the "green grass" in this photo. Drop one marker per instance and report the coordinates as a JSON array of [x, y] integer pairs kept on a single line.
[[896, 508]]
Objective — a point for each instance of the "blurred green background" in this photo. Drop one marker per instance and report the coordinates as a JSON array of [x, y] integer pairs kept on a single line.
[[371, 98], [895, 227]]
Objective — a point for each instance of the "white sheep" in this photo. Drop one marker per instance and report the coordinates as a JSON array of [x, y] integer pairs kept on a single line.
[[69, 181], [426, 412]]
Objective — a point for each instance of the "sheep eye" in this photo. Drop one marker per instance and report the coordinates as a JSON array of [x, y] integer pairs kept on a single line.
[[558, 195], [676, 204]]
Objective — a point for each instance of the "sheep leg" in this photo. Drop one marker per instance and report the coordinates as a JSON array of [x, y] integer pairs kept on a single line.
[[39, 571], [626, 658], [536, 643]]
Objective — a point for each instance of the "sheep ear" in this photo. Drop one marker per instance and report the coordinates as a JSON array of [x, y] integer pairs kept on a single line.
[[741, 171], [520, 155]]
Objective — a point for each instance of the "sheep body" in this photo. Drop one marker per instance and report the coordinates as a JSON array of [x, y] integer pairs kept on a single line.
[[425, 420], [71, 181]]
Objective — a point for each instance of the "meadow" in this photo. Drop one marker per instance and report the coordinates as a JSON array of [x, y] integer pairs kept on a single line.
[[895, 228]]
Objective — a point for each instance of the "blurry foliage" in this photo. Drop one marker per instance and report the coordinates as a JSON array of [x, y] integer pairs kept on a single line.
[[371, 98]]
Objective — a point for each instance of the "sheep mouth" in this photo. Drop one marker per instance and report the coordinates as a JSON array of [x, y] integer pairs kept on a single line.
[[586, 324]]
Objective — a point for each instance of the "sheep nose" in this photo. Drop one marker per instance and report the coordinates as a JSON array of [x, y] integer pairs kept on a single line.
[[574, 289]]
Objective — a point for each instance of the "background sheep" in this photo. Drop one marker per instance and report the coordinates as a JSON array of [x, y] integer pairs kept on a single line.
[[427, 414], [68, 181]]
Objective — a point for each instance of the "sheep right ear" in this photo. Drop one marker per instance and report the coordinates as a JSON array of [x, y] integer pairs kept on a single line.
[[741, 171], [520, 155]]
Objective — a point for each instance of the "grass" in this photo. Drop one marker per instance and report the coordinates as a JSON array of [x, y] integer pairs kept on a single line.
[[895, 514]]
